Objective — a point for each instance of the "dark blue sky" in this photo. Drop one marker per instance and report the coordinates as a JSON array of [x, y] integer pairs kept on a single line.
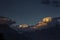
[[27, 11]]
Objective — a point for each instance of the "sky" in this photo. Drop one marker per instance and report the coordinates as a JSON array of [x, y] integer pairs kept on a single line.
[[27, 11]]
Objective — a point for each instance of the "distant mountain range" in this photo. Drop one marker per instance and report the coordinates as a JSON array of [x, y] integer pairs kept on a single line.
[[51, 31]]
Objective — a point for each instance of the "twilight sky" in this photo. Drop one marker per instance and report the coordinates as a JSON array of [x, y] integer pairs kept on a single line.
[[27, 11]]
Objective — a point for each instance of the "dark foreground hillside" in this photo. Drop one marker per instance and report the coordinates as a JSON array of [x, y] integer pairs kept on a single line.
[[52, 33]]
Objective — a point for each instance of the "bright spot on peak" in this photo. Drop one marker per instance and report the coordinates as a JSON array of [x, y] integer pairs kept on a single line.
[[47, 19], [23, 26]]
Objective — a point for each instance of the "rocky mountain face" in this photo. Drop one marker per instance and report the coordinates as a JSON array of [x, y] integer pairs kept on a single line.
[[51, 33]]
